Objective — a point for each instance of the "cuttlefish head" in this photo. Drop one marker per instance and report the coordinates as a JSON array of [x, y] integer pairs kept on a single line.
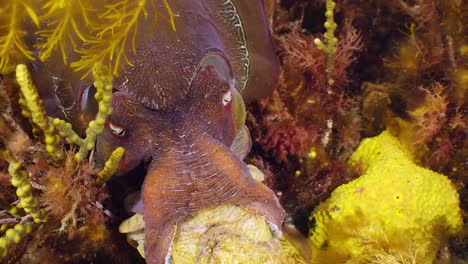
[[186, 149], [213, 107]]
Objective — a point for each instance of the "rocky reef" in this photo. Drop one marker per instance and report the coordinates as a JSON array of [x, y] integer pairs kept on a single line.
[[363, 141]]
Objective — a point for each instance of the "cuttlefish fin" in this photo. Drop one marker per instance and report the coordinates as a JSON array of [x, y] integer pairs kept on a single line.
[[242, 143]]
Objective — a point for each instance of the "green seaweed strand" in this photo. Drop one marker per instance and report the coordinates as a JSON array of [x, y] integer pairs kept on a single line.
[[330, 47]]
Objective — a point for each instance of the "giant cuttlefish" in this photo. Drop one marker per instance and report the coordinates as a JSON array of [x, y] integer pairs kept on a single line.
[[179, 109]]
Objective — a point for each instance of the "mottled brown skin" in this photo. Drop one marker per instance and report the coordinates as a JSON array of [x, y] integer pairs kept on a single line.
[[170, 107]]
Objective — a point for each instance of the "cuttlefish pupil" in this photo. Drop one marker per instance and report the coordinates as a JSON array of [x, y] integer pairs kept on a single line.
[[117, 130], [227, 97]]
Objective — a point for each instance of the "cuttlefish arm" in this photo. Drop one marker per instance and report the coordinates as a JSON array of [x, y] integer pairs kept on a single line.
[[203, 175]]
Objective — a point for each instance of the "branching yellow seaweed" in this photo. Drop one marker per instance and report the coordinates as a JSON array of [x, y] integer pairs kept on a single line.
[[98, 32], [117, 27], [54, 128], [33, 103], [111, 165], [330, 47], [29, 203], [109, 44], [171, 14], [65, 20], [20, 180], [13, 236], [103, 84], [12, 46]]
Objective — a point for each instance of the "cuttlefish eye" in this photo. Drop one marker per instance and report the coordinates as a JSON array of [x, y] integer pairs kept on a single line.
[[231, 99], [116, 130], [227, 97]]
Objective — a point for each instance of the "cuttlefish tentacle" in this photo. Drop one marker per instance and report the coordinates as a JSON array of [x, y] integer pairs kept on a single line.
[[204, 174]]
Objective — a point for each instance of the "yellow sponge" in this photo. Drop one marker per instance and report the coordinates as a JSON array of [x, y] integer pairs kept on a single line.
[[396, 212]]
